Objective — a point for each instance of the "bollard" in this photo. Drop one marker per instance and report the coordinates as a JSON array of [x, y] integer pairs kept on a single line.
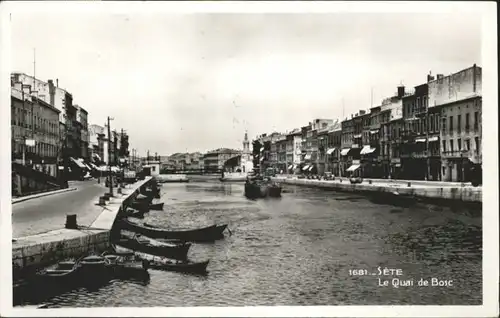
[[71, 222], [102, 200], [369, 181], [409, 184], [119, 190]]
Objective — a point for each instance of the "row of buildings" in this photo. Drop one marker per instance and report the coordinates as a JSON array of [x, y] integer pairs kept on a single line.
[[430, 132], [221, 159], [51, 133]]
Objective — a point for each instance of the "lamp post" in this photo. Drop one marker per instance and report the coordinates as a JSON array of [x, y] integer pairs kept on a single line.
[[109, 158]]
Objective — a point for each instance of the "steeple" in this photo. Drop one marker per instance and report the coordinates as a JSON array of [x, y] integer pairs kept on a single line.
[[246, 144]]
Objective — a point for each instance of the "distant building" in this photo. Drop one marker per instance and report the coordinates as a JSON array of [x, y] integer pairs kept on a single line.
[[222, 159], [82, 120], [96, 143]]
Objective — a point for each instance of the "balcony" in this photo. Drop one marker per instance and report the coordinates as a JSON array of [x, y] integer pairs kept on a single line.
[[454, 154]]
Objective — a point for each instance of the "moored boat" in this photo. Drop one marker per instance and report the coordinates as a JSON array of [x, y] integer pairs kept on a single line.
[[131, 212], [184, 267], [63, 272], [126, 265], [205, 234], [156, 206], [148, 246]]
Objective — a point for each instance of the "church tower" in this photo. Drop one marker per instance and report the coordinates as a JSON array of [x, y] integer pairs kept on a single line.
[[246, 144]]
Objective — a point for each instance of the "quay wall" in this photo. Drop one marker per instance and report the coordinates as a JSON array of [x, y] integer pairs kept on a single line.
[[171, 178], [422, 189], [37, 251]]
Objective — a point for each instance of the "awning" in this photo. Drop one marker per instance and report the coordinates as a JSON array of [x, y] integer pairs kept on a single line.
[[78, 163], [262, 159], [305, 168], [435, 138], [290, 167], [307, 157], [294, 166], [367, 150], [60, 167], [420, 140], [88, 167], [345, 151], [330, 151], [353, 167], [97, 156], [358, 136], [261, 149], [311, 167], [373, 132], [94, 166]]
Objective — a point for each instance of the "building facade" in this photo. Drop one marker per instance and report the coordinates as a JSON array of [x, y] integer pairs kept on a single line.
[[458, 100], [35, 131]]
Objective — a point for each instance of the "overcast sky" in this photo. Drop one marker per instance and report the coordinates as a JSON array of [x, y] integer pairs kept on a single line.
[[196, 82]]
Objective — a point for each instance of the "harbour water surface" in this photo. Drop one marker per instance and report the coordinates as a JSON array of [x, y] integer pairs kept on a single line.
[[303, 249]]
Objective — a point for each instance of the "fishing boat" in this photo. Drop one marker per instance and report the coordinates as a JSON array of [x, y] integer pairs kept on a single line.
[[93, 266], [274, 190], [126, 265], [144, 245], [156, 206], [206, 234], [256, 189], [63, 272], [143, 198], [131, 212], [140, 206], [184, 267]]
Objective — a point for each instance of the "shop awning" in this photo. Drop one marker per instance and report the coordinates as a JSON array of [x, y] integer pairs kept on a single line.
[[373, 132], [294, 166], [420, 140], [262, 159], [330, 151], [435, 138], [311, 167], [367, 150], [358, 136], [345, 151], [261, 149], [307, 157], [290, 167], [88, 167], [353, 167], [305, 168], [78, 163]]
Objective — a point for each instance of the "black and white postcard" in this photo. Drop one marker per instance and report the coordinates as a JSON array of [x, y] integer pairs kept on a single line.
[[249, 159]]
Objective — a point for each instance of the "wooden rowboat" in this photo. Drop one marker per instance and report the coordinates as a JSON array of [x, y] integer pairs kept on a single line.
[[206, 234]]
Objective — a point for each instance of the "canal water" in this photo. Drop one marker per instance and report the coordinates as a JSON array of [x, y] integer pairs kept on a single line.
[[310, 247]]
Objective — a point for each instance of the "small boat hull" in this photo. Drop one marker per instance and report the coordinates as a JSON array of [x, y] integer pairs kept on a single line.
[[188, 267], [176, 251], [156, 206], [206, 234]]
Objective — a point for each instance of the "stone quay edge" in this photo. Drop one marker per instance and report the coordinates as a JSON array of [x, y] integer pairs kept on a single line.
[[35, 251], [423, 189]]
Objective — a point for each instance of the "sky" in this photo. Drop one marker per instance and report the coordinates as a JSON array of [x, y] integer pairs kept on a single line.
[[196, 82]]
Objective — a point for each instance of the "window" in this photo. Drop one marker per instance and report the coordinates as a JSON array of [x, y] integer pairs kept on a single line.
[[443, 128], [444, 145], [436, 126], [467, 119], [467, 144], [451, 124], [459, 144], [459, 123], [451, 145], [476, 120], [476, 141]]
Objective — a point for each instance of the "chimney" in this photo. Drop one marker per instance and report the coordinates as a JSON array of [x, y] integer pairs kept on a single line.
[[57, 82], [440, 76], [401, 91], [361, 112], [429, 78], [52, 91]]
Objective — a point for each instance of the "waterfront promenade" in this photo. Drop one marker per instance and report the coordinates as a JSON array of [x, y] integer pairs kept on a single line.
[[426, 189]]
